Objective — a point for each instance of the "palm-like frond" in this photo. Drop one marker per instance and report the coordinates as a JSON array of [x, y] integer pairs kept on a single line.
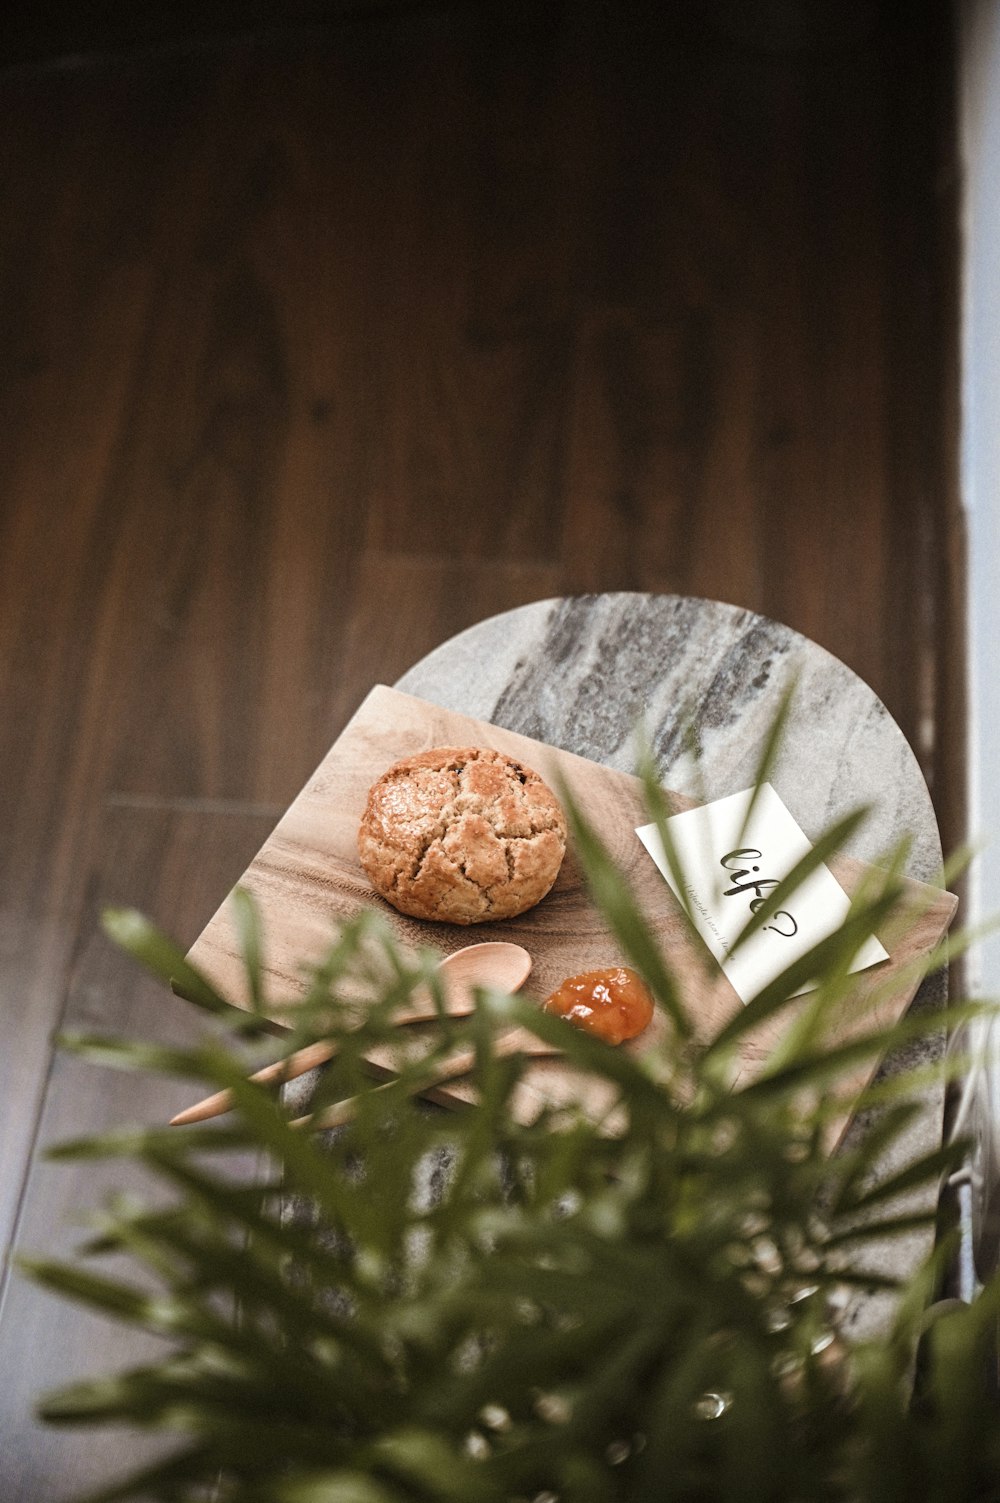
[[432, 1306]]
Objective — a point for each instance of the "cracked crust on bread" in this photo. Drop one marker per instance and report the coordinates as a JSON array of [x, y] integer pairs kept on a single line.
[[461, 835]]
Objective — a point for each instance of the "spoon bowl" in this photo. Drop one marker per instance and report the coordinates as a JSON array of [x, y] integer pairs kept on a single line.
[[496, 964]]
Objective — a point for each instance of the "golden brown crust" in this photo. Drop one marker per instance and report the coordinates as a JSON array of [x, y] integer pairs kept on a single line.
[[461, 834]]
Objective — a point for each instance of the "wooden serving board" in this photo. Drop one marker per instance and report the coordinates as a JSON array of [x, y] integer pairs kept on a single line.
[[307, 878]]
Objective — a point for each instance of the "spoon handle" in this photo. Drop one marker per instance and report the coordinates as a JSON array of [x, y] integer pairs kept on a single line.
[[517, 1041], [283, 1069], [303, 1060]]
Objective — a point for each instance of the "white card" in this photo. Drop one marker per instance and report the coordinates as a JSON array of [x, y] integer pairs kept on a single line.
[[730, 870]]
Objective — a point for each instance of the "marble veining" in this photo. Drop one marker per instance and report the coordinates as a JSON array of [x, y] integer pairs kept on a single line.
[[585, 672]]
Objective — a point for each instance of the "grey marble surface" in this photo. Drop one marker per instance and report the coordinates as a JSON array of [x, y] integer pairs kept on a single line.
[[583, 672]]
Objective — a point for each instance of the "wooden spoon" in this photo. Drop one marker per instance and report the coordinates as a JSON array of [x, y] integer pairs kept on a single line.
[[455, 1065], [494, 963]]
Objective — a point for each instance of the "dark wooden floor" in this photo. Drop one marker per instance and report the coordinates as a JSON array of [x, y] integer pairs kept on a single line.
[[320, 347]]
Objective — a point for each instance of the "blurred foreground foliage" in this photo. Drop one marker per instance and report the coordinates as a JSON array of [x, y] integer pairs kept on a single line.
[[453, 1307]]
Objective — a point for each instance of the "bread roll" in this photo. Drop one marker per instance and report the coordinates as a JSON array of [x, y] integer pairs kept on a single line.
[[462, 835]]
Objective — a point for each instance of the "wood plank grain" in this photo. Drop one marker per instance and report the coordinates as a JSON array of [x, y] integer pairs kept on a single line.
[[57, 32], [403, 605], [169, 862], [35, 957]]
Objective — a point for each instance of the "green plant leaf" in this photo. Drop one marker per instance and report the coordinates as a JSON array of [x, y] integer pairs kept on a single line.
[[770, 752], [780, 993], [133, 932], [248, 935], [828, 844], [423, 1307]]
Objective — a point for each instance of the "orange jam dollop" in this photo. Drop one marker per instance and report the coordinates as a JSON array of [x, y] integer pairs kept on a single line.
[[614, 1004]]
